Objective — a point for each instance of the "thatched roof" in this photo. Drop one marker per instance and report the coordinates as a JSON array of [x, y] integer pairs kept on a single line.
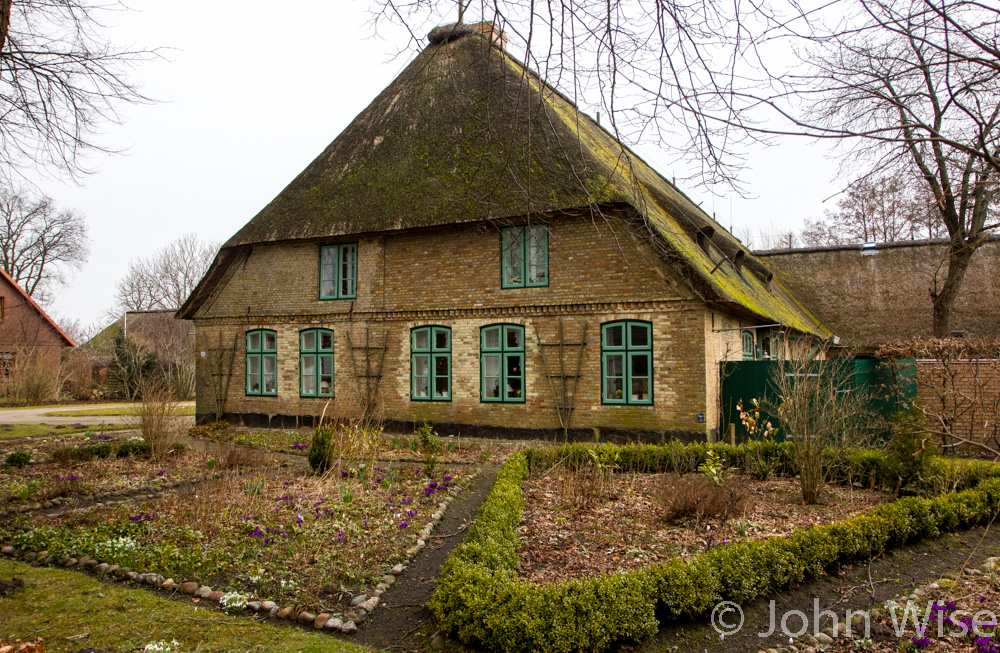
[[467, 133], [869, 299]]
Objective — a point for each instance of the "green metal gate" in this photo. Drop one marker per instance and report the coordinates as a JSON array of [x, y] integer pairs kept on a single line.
[[891, 383]]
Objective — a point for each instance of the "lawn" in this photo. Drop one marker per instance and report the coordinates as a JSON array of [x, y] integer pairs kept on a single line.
[[71, 611], [128, 410], [41, 431]]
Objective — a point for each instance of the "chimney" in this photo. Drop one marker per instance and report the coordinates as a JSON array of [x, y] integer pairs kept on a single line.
[[493, 33]]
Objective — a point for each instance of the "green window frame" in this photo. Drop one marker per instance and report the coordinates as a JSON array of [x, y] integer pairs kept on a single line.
[[749, 348], [627, 363], [524, 256], [316, 363], [338, 271], [262, 363], [501, 363], [430, 363]]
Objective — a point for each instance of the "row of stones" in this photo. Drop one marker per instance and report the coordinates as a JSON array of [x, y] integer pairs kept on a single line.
[[108, 498], [361, 604], [810, 644]]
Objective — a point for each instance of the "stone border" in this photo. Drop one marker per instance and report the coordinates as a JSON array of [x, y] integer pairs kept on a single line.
[[110, 497], [346, 623]]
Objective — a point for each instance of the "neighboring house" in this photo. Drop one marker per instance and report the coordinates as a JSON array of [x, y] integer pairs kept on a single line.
[[26, 330], [474, 251], [871, 294], [158, 333]]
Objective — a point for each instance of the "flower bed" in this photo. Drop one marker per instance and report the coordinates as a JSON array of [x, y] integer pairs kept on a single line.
[[55, 483], [304, 541], [624, 528], [481, 601]]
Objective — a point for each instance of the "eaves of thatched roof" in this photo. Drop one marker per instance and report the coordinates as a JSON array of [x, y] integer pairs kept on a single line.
[[467, 133]]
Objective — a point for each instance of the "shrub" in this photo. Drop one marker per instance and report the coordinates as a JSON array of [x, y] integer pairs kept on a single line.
[[697, 496], [321, 449], [32, 380], [909, 455], [158, 419], [18, 459]]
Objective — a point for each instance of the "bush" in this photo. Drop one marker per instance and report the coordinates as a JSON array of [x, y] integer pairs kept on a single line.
[[909, 456], [135, 447], [158, 419], [320, 454], [32, 380], [697, 496], [18, 459]]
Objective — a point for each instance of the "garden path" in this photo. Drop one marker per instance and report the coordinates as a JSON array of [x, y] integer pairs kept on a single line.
[[402, 621]]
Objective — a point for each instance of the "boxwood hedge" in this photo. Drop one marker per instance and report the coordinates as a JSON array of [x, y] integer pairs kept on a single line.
[[480, 600]]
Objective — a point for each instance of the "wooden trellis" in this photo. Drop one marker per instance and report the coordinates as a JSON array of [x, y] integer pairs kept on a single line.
[[563, 396], [220, 361], [367, 381]]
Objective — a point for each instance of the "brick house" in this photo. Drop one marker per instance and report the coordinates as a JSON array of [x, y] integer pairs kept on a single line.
[[26, 331], [474, 251]]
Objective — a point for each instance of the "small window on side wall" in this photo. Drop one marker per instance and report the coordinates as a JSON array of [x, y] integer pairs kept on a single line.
[[338, 271], [524, 256], [6, 365], [749, 349], [627, 362], [430, 363], [262, 363], [316, 363]]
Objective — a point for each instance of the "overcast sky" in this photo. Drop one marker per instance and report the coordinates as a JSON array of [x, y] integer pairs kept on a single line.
[[248, 94]]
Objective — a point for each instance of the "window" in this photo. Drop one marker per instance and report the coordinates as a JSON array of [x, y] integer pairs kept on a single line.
[[749, 351], [262, 363], [6, 365], [524, 256], [316, 363], [3, 307], [338, 271], [627, 363], [502, 363], [430, 364]]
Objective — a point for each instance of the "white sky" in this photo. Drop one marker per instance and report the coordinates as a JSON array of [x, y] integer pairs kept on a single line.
[[249, 93]]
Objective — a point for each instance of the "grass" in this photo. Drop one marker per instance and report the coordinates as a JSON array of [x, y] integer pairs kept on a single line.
[[111, 411], [58, 604], [15, 431]]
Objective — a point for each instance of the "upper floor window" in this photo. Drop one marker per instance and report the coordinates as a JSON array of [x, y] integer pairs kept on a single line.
[[627, 362], [262, 362], [316, 363], [525, 256], [502, 363], [749, 348], [430, 363], [338, 271]]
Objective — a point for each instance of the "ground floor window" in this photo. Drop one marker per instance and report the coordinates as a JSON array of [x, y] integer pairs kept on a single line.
[[316, 363], [749, 349], [6, 365], [627, 362], [262, 363], [502, 363], [430, 363]]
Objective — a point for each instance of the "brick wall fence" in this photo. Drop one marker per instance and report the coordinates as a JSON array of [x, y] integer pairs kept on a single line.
[[966, 393]]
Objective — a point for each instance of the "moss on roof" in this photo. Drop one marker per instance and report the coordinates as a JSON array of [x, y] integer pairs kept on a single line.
[[467, 133]]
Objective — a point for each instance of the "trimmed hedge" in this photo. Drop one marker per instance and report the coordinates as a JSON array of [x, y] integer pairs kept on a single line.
[[480, 600]]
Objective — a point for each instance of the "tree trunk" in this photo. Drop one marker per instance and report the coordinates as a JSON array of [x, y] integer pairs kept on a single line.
[[4, 21], [959, 256]]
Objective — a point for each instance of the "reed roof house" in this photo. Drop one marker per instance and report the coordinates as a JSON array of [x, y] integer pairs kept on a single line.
[[474, 251]]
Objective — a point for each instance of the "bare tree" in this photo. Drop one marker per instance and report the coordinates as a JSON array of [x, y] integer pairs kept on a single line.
[[920, 83], [165, 279], [59, 81], [39, 243], [878, 208]]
